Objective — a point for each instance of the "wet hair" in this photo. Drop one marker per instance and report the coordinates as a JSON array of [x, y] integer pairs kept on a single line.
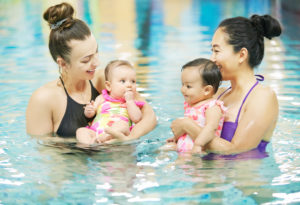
[[114, 64], [208, 70], [249, 33], [64, 28]]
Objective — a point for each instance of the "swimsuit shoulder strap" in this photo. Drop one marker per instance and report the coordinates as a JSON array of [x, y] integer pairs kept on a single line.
[[64, 86], [223, 93], [95, 92], [259, 78]]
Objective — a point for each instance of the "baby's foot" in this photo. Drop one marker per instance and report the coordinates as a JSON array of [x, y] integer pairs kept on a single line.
[[115, 134]]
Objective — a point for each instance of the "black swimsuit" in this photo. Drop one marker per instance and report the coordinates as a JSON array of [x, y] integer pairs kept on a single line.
[[74, 115]]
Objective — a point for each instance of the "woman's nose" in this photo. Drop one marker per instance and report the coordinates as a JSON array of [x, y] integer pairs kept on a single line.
[[212, 58], [96, 60]]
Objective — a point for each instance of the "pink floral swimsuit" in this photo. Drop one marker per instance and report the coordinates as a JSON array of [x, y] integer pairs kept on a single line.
[[110, 111], [197, 113]]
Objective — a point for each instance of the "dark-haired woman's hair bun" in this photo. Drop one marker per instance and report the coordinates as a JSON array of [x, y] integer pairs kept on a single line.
[[266, 25], [59, 16]]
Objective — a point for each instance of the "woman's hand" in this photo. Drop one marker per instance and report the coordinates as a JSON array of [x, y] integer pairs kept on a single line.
[[177, 127]]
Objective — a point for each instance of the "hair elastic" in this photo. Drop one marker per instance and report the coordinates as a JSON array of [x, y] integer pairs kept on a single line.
[[57, 24]]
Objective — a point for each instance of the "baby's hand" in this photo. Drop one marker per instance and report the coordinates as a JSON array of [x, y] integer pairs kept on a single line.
[[103, 138], [129, 95], [90, 110]]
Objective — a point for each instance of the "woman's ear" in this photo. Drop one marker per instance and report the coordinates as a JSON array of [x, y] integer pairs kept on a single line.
[[243, 55], [208, 90], [61, 63], [107, 86]]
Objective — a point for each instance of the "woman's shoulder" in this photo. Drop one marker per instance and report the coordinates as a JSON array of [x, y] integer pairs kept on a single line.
[[263, 92], [48, 92], [263, 96]]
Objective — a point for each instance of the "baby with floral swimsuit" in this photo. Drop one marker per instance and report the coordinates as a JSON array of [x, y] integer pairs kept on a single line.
[[200, 81], [115, 108]]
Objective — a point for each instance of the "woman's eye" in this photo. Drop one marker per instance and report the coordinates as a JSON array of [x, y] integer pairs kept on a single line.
[[86, 61], [122, 81], [133, 81], [214, 50]]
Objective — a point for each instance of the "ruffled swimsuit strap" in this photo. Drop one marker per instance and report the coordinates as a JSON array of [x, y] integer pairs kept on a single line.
[[107, 97]]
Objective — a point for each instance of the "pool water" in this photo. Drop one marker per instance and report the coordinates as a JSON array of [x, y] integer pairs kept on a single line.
[[158, 37]]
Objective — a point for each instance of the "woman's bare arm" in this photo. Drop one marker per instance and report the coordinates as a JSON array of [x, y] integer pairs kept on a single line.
[[146, 124], [39, 114]]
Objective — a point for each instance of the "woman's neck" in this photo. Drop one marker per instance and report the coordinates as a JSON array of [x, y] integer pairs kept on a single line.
[[79, 90], [242, 81], [76, 86]]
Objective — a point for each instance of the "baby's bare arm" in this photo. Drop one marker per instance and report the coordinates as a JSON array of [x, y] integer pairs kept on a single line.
[[213, 116], [134, 112]]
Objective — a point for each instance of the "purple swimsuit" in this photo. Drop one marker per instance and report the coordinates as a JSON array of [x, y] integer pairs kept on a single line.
[[229, 128]]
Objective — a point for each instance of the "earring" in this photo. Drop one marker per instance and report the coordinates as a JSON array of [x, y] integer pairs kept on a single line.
[[63, 74], [59, 70]]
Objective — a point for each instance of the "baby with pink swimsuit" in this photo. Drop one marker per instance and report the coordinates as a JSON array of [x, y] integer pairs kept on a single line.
[[115, 109], [200, 81]]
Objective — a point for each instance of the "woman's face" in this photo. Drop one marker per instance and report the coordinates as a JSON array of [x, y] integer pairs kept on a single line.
[[84, 58], [223, 54]]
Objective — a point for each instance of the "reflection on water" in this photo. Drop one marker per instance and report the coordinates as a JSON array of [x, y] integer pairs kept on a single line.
[[158, 37]]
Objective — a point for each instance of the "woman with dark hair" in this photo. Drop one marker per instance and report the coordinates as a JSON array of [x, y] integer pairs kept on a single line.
[[58, 106], [237, 48]]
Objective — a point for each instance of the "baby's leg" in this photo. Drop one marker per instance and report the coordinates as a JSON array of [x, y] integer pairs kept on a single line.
[[85, 135], [121, 126], [118, 130]]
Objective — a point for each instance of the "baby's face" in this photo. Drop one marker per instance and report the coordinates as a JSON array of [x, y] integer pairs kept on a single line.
[[192, 86], [123, 79]]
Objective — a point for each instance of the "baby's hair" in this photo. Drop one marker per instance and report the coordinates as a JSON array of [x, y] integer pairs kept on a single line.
[[114, 64], [208, 70]]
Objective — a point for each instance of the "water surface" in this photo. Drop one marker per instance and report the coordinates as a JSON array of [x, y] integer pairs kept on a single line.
[[158, 37]]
